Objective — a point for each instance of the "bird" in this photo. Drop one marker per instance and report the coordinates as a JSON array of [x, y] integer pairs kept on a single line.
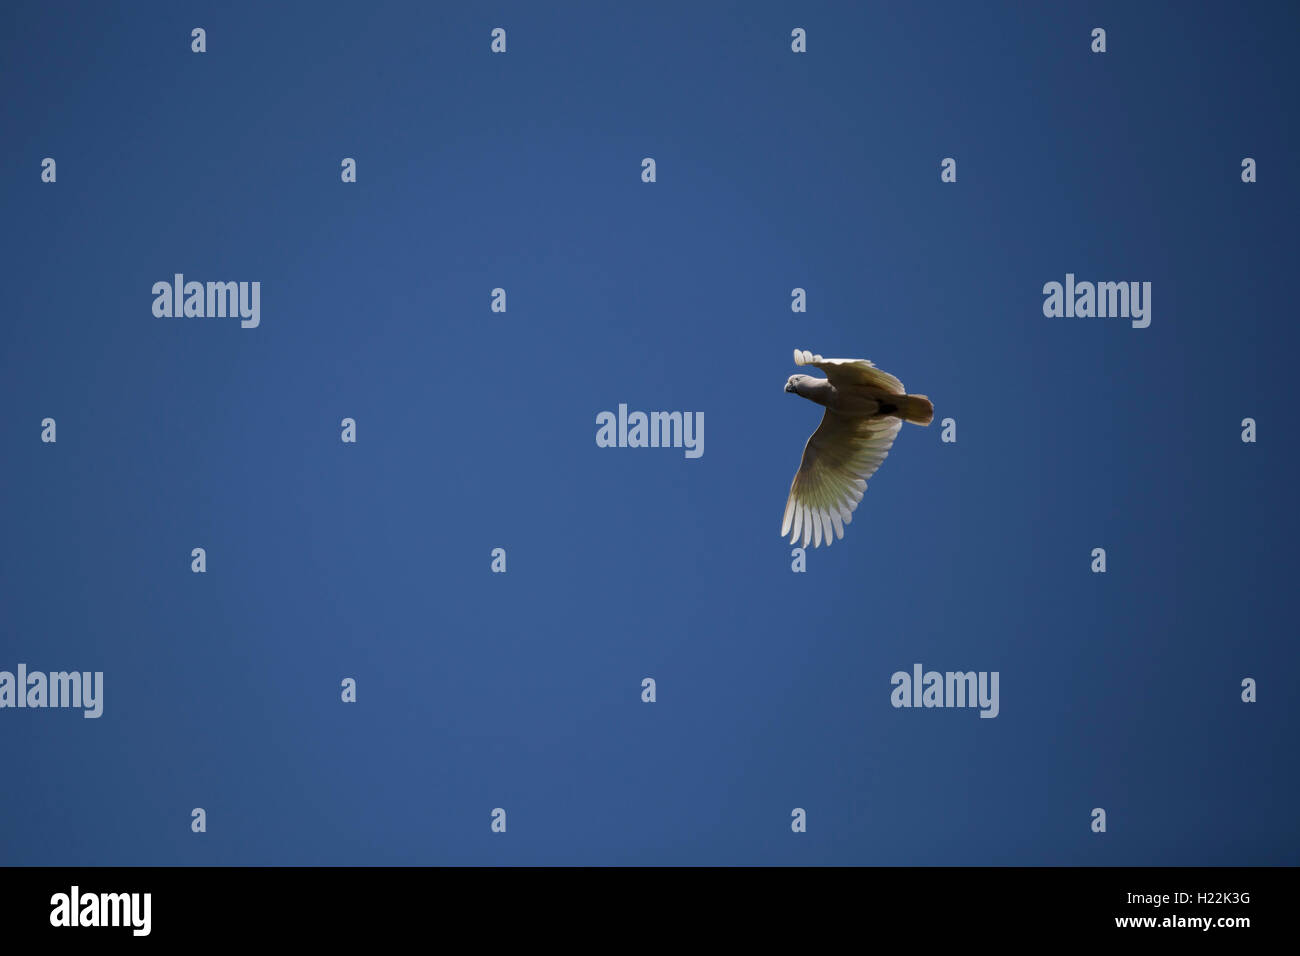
[[865, 409]]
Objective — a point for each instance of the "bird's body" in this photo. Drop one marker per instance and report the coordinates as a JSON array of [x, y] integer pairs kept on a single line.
[[856, 400], [865, 408]]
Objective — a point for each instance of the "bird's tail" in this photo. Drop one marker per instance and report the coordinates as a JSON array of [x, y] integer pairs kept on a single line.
[[914, 408]]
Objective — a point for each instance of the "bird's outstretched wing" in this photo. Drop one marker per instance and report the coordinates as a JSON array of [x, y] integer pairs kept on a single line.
[[837, 461], [846, 372]]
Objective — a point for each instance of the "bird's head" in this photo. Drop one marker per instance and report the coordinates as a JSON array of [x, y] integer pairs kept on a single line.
[[793, 382]]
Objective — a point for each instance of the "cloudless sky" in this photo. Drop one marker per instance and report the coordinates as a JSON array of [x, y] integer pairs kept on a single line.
[[476, 430]]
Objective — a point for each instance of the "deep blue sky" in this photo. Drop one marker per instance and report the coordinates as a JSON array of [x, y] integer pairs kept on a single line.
[[476, 430]]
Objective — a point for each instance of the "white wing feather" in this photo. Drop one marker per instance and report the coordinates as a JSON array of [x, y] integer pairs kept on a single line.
[[844, 372], [837, 461]]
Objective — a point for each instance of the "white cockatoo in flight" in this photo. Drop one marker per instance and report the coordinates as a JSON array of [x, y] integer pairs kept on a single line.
[[865, 408]]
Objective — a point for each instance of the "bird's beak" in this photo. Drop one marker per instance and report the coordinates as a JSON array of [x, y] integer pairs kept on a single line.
[[789, 387]]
